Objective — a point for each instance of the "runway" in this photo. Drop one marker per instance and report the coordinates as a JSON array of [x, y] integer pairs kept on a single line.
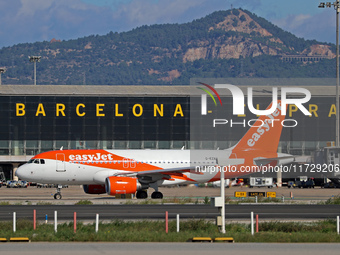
[[112, 212], [73, 194]]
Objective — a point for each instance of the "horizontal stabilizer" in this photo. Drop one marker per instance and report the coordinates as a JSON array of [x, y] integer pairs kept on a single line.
[[266, 161]]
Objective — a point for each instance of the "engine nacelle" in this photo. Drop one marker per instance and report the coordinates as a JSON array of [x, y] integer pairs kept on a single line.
[[121, 185], [94, 189]]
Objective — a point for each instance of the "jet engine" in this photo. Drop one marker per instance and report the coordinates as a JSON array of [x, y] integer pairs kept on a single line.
[[94, 189], [121, 185]]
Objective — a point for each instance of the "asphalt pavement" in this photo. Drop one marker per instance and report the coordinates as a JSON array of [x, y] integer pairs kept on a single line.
[[168, 248], [149, 211]]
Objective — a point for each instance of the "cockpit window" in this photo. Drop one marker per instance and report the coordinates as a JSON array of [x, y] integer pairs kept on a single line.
[[36, 161]]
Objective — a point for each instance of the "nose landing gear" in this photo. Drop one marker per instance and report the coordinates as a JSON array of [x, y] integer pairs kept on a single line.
[[58, 194]]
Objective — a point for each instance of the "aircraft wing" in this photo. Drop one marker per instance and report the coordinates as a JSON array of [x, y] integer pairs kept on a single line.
[[157, 174], [167, 171]]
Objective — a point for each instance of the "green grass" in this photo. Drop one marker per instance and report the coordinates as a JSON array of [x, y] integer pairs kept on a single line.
[[333, 201], [252, 200], [172, 200], [201, 200], [84, 202], [44, 203], [154, 231]]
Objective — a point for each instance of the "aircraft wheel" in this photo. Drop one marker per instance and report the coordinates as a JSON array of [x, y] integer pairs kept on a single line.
[[57, 196], [142, 194], [156, 195]]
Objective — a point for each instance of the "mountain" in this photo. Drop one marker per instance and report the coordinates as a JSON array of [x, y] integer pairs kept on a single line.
[[232, 43]]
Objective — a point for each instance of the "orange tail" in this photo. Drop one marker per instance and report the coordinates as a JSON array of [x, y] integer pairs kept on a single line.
[[264, 134]]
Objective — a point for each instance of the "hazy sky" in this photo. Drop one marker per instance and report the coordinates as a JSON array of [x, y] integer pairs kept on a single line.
[[38, 20]]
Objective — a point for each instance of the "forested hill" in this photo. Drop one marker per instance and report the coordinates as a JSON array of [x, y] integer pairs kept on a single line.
[[233, 43]]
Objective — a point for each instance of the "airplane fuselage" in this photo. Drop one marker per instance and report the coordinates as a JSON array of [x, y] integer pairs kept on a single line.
[[93, 166]]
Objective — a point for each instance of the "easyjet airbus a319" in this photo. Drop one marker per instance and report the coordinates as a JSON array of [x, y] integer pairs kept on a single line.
[[134, 171]]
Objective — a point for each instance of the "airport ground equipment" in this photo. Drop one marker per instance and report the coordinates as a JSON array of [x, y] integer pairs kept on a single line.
[[2, 177], [261, 182], [329, 157]]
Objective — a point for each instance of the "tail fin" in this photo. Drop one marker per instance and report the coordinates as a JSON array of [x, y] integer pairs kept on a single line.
[[264, 134]]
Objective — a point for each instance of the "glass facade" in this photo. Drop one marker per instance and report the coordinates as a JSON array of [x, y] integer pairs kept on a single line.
[[34, 124], [301, 134]]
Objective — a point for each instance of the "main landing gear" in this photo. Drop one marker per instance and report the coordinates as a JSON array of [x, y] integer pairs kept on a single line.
[[157, 195], [142, 194], [58, 194]]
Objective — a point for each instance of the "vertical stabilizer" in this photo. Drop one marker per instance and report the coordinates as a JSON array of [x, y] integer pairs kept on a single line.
[[264, 134]]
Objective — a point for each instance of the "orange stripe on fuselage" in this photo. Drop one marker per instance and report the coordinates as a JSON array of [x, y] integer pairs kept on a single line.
[[98, 158]]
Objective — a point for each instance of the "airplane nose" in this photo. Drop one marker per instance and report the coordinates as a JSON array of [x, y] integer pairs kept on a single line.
[[21, 173]]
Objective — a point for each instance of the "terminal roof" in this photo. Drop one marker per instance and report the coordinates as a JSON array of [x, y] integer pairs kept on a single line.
[[136, 90]]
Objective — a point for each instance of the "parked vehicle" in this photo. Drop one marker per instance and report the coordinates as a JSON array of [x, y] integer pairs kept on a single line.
[[22, 184], [12, 184], [304, 184], [218, 183], [261, 182], [44, 185], [330, 185]]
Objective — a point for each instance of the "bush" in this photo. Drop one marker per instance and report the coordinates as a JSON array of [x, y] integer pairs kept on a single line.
[[236, 12], [235, 23], [333, 201], [84, 202], [243, 18], [252, 25]]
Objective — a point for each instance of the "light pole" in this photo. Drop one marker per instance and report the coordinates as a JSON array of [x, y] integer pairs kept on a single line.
[[336, 6], [2, 70], [35, 59]]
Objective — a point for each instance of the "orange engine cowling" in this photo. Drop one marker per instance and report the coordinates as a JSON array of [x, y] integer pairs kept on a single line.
[[94, 189], [121, 185]]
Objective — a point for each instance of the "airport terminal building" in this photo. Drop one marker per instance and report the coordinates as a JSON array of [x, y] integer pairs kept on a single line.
[[40, 118]]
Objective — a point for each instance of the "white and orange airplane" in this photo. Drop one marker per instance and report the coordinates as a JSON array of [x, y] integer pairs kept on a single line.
[[133, 171]]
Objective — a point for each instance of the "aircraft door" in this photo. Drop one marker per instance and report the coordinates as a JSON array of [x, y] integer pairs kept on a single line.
[[60, 162], [126, 163]]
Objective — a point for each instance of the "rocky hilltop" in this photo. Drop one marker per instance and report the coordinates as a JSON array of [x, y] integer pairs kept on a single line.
[[222, 44]]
